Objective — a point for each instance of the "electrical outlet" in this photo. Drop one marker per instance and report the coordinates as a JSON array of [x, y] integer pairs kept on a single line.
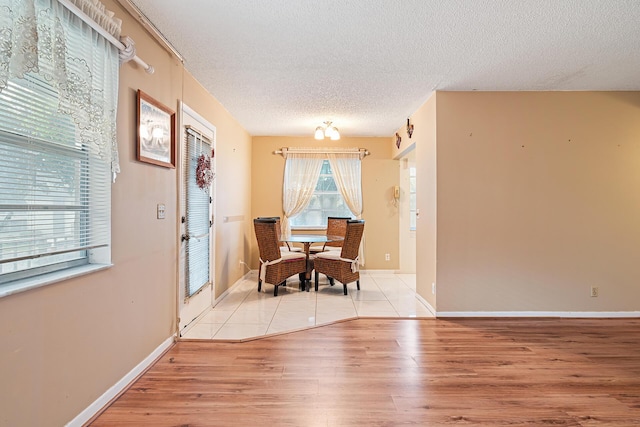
[[160, 211], [387, 257], [433, 288], [594, 291]]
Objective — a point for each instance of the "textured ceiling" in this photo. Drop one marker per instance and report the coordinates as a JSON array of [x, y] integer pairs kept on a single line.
[[282, 67]]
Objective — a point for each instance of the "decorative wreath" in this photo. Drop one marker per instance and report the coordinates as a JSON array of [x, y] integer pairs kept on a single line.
[[204, 174]]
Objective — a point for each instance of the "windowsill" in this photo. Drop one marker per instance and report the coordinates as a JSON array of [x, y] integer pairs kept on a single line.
[[23, 285]]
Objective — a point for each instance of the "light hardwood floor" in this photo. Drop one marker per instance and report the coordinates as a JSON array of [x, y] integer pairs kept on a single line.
[[375, 372]]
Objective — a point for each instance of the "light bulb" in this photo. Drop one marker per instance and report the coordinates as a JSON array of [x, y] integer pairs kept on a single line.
[[328, 132], [319, 133], [335, 135]]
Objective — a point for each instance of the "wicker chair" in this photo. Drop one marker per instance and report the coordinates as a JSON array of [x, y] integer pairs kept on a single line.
[[342, 266], [336, 226], [286, 246], [276, 265]]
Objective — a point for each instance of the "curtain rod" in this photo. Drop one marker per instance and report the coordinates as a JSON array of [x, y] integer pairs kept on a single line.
[[93, 24], [362, 151]]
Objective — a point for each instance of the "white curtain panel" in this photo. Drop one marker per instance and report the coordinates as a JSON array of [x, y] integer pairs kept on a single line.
[[347, 174], [301, 173], [83, 71]]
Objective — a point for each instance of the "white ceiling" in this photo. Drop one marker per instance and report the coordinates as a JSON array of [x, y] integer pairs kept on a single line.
[[282, 67]]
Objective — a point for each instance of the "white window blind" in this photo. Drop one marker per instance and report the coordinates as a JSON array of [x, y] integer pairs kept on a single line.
[[54, 190], [198, 217], [58, 151]]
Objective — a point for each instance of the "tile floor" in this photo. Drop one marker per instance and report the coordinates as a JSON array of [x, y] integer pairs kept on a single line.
[[246, 313]]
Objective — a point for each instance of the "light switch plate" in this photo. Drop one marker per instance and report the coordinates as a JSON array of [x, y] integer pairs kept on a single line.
[[161, 209]]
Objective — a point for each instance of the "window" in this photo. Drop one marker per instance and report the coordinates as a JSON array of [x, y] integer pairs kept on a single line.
[[326, 201], [412, 198], [57, 146], [198, 216], [54, 193]]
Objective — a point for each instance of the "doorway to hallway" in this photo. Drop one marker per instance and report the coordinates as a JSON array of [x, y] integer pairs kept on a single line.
[[407, 212]]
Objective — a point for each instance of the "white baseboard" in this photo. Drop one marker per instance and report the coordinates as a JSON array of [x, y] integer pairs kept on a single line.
[[225, 293], [426, 304], [124, 382], [573, 314], [248, 275]]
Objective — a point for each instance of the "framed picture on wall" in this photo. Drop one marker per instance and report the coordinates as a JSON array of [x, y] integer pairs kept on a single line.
[[156, 142]]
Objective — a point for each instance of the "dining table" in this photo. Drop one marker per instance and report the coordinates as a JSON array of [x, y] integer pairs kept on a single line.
[[307, 240]]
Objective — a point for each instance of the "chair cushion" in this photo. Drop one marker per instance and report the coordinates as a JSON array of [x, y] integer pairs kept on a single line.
[[292, 255], [317, 249], [335, 255]]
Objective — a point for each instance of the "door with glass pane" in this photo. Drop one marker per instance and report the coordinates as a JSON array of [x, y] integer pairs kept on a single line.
[[196, 217]]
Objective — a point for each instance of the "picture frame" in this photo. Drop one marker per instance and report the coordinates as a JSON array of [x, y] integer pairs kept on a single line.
[[156, 132]]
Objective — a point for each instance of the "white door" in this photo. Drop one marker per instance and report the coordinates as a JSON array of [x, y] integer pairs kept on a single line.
[[197, 207]]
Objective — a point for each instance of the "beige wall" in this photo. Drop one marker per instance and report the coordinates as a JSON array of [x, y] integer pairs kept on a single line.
[[65, 344], [426, 190], [537, 201], [379, 175], [423, 143]]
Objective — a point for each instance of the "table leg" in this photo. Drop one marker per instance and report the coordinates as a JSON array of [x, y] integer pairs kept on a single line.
[[307, 248]]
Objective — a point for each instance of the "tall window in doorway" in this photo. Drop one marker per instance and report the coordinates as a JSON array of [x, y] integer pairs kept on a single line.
[[412, 198]]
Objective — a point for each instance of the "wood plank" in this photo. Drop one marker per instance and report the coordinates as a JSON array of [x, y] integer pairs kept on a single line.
[[483, 372]]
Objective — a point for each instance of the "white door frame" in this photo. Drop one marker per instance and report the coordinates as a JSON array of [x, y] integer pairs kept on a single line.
[[189, 309]]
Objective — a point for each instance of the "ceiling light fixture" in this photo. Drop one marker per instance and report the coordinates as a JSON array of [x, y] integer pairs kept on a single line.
[[327, 131]]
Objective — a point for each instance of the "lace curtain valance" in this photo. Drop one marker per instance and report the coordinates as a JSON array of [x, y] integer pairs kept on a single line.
[[103, 17], [43, 38]]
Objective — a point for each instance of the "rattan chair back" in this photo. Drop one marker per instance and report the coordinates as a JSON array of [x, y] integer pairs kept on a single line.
[[279, 233], [336, 226], [267, 235], [278, 227], [353, 235]]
